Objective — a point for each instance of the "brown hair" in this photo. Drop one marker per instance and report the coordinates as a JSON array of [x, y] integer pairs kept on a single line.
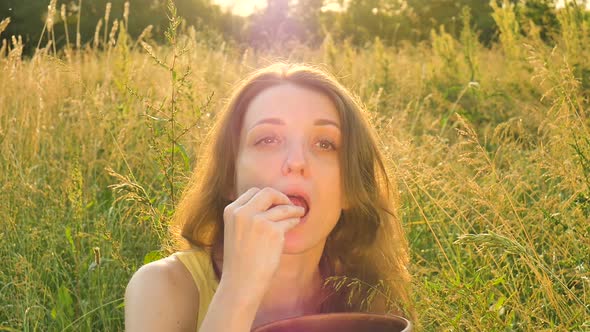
[[367, 242]]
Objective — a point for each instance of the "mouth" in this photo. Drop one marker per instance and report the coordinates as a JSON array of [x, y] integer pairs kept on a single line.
[[300, 201]]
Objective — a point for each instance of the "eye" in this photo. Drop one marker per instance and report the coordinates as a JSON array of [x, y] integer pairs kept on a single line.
[[326, 144], [266, 140]]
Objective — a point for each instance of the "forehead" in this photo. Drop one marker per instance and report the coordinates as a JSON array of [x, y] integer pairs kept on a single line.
[[292, 103]]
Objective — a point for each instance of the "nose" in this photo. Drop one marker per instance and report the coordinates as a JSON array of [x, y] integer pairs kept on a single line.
[[295, 160]]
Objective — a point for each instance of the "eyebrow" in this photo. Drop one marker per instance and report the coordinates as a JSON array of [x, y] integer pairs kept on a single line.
[[277, 121]]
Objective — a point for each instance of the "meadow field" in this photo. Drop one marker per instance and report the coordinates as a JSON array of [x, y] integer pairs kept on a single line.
[[489, 148]]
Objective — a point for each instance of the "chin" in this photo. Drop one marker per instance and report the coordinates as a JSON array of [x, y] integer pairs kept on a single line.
[[295, 244], [298, 243]]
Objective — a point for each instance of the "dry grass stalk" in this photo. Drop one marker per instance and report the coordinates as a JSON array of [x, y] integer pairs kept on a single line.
[[3, 24], [78, 35], [126, 14], [128, 190], [146, 33], [64, 18], [62, 12], [148, 48], [14, 56], [451, 184], [107, 14], [49, 22], [97, 33], [3, 48], [51, 10], [112, 35]]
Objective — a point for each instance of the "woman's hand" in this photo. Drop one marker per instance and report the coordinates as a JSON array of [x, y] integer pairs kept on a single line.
[[253, 239]]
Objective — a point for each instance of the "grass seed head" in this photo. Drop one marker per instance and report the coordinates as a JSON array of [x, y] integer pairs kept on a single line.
[[97, 32], [126, 11], [107, 12], [3, 48], [113, 34], [96, 255], [63, 12], [51, 10], [146, 33], [4, 24]]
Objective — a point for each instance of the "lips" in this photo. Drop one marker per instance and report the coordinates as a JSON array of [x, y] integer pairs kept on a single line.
[[299, 201]]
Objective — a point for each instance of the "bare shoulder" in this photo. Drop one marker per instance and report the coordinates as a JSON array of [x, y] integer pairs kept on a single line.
[[161, 296]]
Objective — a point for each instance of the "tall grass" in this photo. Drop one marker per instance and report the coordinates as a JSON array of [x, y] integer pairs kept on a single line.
[[490, 148]]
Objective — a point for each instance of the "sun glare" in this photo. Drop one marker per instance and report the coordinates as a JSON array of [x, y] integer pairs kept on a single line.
[[242, 7], [248, 7]]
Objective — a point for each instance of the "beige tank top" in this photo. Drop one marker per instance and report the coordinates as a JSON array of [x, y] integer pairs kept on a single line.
[[199, 264]]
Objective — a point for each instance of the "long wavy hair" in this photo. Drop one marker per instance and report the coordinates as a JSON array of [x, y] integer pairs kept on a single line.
[[367, 247]]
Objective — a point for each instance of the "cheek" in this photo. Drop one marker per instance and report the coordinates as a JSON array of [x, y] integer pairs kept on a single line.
[[331, 186], [254, 171]]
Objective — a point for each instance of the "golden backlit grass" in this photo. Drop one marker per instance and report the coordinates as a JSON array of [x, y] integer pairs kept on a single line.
[[490, 149]]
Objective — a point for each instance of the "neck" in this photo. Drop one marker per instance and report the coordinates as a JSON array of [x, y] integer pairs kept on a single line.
[[295, 287]]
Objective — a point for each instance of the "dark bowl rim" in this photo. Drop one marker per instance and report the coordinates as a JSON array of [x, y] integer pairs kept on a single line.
[[407, 328]]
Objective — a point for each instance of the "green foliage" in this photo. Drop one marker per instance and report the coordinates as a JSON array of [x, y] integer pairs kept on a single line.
[[282, 24], [470, 43], [543, 14], [508, 26], [84, 16], [444, 46], [573, 29], [63, 310], [581, 147], [490, 148]]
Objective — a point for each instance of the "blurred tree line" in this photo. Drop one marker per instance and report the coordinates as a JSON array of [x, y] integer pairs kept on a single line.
[[282, 21]]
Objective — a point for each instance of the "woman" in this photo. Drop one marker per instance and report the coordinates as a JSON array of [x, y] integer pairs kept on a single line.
[[291, 190]]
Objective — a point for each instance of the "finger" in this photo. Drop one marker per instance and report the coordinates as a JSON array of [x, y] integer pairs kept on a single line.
[[245, 197], [281, 212], [266, 198], [287, 224]]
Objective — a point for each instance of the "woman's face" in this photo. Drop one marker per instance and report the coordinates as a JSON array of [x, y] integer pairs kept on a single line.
[[290, 141]]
